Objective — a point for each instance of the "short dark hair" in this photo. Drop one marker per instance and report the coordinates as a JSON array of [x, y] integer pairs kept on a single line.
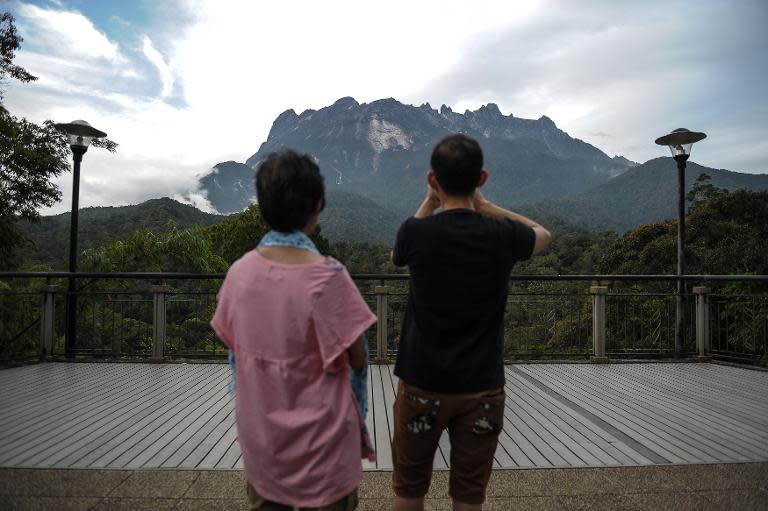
[[288, 187], [457, 162]]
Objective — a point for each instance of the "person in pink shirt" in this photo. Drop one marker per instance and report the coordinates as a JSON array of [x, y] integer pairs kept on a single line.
[[293, 320]]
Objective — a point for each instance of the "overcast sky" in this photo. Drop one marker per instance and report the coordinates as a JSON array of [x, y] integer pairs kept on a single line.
[[184, 84]]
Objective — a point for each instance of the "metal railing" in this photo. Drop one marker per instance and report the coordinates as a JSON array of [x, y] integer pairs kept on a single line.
[[164, 316]]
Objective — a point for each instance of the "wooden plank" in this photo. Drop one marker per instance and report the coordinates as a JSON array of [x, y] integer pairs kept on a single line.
[[556, 427], [198, 427], [217, 452], [688, 391], [720, 434], [691, 390], [381, 427], [51, 399], [525, 439], [508, 453], [370, 465], [231, 457], [117, 451], [68, 429], [103, 431], [60, 380], [568, 450], [599, 442], [630, 417], [614, 414], [143, 423], [155, 449], [731, 400], [601, 411], [71, 407], [687, 435]]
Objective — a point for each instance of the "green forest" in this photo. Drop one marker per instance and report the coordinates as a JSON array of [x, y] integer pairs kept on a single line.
[[545, 319]]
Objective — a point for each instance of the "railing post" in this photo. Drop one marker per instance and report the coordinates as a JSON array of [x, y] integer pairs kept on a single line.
[[382, 313], [702, 322], [47, 317], [598, 324], [158, 322]]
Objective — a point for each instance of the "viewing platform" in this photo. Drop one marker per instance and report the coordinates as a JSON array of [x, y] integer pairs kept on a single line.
[[137, 414], [615, 436], [180, 416]]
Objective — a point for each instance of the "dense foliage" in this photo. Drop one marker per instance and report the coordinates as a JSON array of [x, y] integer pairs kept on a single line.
[[30, 156], [100, 225], [543, 319], [726, 233]]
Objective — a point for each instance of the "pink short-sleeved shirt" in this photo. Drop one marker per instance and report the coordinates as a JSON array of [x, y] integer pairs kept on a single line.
[[297, 421]]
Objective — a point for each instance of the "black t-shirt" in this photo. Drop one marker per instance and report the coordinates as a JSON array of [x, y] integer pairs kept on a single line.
[[460, 261]]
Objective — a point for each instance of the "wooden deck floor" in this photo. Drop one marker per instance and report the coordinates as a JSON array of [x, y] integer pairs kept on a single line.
[[557, 415]]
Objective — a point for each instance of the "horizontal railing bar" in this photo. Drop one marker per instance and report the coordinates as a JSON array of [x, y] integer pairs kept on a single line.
[[382, 277]]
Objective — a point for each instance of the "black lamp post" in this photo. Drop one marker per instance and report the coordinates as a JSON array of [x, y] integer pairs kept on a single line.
[[680, 142], [80, 134]]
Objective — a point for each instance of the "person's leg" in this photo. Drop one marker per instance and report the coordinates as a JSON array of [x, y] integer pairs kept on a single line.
[[418, 423], [474, 433], [404, 504], [460, 506]]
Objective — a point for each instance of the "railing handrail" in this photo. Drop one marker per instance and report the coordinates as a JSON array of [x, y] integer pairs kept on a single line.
[[379, 276]]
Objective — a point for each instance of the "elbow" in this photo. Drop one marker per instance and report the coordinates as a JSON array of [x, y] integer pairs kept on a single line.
[[543, 238]]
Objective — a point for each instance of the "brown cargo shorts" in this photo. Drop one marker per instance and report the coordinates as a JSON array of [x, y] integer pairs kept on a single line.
[[474, 421]]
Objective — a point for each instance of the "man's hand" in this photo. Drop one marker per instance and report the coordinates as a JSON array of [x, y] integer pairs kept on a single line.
[[432, 196], [478, 200], [430, 203]]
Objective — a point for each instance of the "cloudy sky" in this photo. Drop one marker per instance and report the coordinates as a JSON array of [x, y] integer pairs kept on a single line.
[[184, 84]]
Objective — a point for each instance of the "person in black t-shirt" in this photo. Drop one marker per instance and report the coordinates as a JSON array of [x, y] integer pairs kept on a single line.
[[450, 358]]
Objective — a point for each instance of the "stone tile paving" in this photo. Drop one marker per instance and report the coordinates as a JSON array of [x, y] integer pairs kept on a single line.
[[658, 488]]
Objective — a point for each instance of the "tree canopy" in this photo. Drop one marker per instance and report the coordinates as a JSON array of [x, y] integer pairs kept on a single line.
[[726, 233], [31, 155]]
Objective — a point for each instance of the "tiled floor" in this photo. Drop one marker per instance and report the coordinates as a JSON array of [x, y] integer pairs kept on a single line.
[[656, 488]]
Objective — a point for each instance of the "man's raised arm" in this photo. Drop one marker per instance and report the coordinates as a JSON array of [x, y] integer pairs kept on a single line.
[[486, 207]]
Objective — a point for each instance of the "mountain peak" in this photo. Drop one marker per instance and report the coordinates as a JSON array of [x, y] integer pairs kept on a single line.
[[547, 121], [287, 115], [386, 102], [490, 108], [346, 102]]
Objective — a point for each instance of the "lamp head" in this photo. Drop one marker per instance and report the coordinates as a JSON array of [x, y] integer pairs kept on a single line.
[[680, 141], [80, 133]]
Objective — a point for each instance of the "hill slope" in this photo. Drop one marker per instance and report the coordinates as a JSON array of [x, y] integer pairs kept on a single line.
[[99, 225], [644, 194]]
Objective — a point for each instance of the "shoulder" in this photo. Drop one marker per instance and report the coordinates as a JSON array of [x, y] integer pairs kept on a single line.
[[328, 272], [408, 224], [415, 225], [245, 263]]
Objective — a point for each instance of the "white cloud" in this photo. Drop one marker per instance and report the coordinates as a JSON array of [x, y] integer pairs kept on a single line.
[[70, 33], [197, 199], [157, 60], [181, 97]]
